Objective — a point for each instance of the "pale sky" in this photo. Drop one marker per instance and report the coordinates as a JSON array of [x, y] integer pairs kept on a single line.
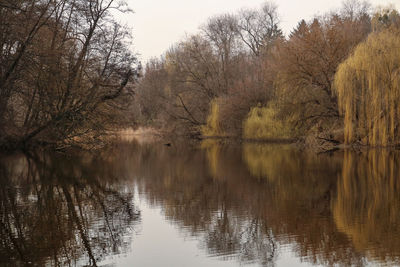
[[158, 24]]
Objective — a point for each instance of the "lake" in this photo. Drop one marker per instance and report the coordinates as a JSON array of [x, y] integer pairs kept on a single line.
[[207, 204]]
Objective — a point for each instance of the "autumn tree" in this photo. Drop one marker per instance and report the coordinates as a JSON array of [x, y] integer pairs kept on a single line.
[[215, 76], [384, 18], [368, 88], [255, 34], [307, 64], [258, 32]]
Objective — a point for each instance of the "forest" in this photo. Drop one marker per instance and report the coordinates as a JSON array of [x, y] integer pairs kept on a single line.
[[66, 71], [68, 76], [334, 79]]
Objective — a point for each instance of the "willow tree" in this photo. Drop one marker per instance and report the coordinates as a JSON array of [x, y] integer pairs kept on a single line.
[[307, 64], [368, 89]]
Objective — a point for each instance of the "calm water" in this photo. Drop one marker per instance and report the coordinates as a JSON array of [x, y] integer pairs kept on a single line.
[[213, 205]]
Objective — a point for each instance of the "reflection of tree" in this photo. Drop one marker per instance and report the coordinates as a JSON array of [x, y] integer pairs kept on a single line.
[[237, 211], [367, 204], [205, 206], [243, 202], [302, 185], [61, 211]]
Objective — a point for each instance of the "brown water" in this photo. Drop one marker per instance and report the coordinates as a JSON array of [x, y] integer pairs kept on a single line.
[[213, 205]]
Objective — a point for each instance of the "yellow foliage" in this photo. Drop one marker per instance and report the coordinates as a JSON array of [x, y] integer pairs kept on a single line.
[[213, 128], [212, 149], [266, 161], [262, 123], [368, 89], [366, 205]]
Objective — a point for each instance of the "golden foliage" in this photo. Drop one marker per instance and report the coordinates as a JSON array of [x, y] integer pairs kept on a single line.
[[366, 206], [266, 161], [213, 128], [368, 89], [212, 149], [262, 123]]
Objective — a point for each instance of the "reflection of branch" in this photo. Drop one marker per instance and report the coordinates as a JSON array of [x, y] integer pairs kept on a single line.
[[13, 241], [65, 200], [14, 211], [72, 210], [106, 218]]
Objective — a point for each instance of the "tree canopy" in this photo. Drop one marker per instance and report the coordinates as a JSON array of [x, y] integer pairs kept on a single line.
[[368, 88]]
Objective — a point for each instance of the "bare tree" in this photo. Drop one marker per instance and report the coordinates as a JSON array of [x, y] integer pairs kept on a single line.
[[70, 76], [259, 28]]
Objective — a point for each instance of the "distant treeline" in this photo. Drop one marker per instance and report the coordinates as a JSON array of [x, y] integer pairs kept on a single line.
[[64, 70], [335, 78]]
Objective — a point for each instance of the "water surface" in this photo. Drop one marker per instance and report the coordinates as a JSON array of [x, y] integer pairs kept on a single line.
[[207, 205]]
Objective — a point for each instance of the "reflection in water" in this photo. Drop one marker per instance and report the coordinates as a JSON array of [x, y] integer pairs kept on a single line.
[[303, 185], [249, 203], [367, 204], [61, 211], [212, 208]]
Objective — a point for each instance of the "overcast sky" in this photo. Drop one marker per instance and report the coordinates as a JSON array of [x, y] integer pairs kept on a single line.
[[158, 24]]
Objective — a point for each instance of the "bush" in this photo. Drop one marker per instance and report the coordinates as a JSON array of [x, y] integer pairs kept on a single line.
[[262, 123]]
